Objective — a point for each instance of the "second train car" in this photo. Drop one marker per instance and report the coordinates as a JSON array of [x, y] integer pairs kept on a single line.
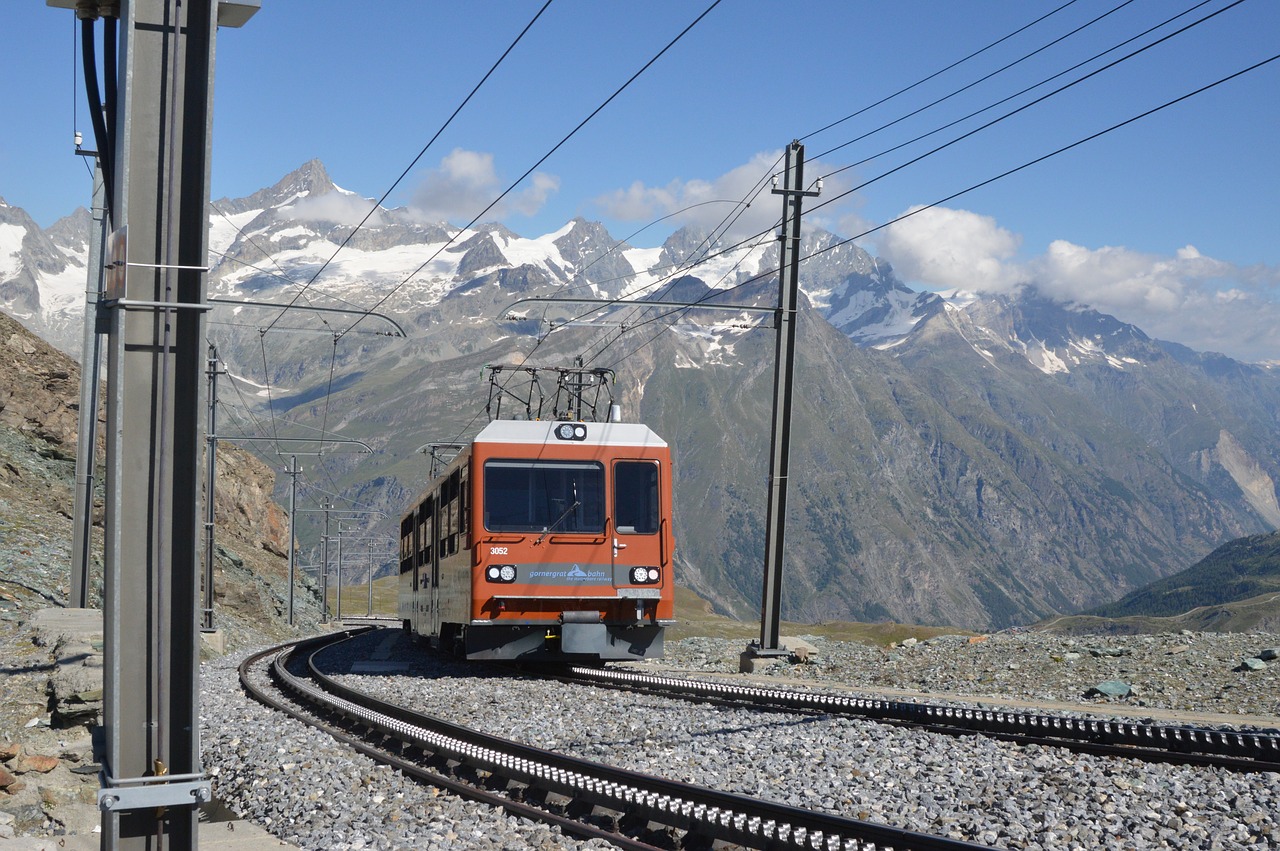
[[544, 541]]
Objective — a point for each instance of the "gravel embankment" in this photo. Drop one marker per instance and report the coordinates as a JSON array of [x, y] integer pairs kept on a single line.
[[318, 795]]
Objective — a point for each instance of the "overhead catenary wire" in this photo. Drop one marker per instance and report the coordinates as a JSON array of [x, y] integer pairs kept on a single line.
[[955, 92], [377, 206], [1027, 105], [547, 155], [529, 171], [1023, 91], [678, 267], [917, 210], [620, 334], [425, 148], [939, 72]]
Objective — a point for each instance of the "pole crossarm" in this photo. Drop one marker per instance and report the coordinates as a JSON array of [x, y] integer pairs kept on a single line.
[[266, 304], [340, 511], [232, 438], [622, 302]]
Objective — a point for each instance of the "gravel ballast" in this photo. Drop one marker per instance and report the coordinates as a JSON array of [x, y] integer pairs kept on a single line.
[[317, 794]]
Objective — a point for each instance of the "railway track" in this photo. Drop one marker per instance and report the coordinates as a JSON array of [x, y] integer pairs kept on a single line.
[[1182, 745], [584, 798]]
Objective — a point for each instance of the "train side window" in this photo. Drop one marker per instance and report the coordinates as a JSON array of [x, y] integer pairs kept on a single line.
[[406, 544], [635, 497], [426, 527], [450, 513]]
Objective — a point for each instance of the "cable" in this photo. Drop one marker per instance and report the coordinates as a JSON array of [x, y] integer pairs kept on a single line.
[[1001, 70], [1000, 176], [421, 153], [1027, 105], [938, 72], [544, 157], [1080, 64], [377, 206], [101, 139]]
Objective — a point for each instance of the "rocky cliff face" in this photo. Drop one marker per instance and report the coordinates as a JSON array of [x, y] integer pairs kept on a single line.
[[39, 393], [51, 682], [39, 388]]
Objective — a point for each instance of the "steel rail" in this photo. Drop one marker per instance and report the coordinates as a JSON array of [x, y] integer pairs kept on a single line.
[[1234, 750], [704, 814], [569, 826]]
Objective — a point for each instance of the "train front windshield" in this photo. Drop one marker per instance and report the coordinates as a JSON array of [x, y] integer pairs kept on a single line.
[[542, 496]]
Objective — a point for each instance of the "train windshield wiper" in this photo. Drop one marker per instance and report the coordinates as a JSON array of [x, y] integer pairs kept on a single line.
[[547, 530]]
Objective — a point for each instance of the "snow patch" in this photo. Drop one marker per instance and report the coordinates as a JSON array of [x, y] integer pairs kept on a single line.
[[11, 237]]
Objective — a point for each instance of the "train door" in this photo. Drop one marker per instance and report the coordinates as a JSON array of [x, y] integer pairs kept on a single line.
[[426, 557], [639, 552]]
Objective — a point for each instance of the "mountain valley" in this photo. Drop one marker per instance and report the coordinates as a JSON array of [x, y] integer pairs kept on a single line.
[[978, 462]]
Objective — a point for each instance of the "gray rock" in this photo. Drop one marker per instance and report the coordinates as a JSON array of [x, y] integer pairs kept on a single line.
[[1110, 688]]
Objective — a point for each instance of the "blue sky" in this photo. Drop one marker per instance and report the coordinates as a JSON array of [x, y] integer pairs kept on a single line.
[[1169, 222]]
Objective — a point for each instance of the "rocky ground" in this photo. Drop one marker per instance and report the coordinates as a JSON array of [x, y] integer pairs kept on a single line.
[[1203, 674], [50, 680]]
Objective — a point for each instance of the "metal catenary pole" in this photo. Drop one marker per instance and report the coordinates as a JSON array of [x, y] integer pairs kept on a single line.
[[154, 303], [337, 603], [792, 193], [293, 495], [90, 375], [211, 454], [324, 575]]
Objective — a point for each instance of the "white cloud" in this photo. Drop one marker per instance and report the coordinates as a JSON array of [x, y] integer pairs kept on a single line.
[[1189, 298], [337, 207], [945, 248], [466, 182], [741, 196]]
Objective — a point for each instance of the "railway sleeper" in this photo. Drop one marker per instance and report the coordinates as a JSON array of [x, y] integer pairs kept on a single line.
[[638, 826], [588, 812]]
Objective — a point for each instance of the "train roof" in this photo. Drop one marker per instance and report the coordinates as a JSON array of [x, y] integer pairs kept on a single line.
[[552, 431]]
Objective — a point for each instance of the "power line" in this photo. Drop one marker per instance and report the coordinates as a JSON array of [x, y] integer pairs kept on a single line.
[[939, 72], [619, 334], [1027, 105], [990, 75], [422, 153], [547, 155], [1022, 92], [1000, 176]]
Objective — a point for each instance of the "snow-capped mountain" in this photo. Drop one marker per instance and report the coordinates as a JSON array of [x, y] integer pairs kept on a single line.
[[43, 275], [957, 458]]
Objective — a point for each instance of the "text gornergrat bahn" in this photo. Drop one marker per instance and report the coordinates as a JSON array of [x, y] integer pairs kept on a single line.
[[544, 541]]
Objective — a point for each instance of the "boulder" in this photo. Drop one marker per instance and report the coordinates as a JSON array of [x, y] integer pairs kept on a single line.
[[1110, 688]]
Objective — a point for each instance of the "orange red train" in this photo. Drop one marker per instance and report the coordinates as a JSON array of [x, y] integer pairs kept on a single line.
[[544, 541]]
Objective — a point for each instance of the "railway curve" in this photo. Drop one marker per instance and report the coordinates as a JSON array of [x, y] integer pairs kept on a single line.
[[690, 815]]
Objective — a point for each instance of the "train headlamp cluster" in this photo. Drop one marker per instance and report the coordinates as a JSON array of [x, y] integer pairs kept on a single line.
[[645, 575], [500, 573], [571, 431]]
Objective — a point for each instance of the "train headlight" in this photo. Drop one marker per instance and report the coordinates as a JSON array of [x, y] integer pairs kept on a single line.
[[645, 575], [500, 573], [571, 431]]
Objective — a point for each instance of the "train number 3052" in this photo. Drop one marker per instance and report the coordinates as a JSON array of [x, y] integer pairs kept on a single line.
[[497, 551]]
